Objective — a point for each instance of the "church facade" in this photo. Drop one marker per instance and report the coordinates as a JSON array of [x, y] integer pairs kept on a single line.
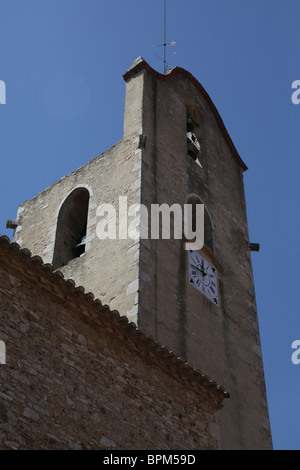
[[198, 302]]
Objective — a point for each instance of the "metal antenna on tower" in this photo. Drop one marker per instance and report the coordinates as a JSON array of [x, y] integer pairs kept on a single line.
[[164, 43]]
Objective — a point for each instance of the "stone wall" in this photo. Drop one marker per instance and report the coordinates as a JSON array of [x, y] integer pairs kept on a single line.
[[148, 281], [113, 174], [223, 339], [79, 376]]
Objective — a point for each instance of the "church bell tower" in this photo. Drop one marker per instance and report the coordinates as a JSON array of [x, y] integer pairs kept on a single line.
[[200, 303]]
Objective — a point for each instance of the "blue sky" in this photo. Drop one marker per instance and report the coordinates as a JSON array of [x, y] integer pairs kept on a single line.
[[62, 62]]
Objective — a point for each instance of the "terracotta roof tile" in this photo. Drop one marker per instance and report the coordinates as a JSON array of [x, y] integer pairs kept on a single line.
[[162, 352]]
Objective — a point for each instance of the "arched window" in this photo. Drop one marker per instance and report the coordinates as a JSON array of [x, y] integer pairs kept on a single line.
[[193, 143], [71, 228], [195, 134], [208, 227]]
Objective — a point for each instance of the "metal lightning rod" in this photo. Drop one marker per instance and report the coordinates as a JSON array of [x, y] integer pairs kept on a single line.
[[165, 46], [164, 43]]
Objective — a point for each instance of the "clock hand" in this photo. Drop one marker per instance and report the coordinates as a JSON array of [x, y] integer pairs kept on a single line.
[[201, 270]]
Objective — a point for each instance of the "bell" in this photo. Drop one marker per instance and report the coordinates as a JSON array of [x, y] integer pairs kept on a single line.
[[80, 248], [192, 149], [189, 124]]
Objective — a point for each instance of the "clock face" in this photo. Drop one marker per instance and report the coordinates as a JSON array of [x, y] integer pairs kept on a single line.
[[203, 276]]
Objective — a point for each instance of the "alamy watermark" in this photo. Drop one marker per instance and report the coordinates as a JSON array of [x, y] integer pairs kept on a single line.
[[2, 92], [296, 94], [136, 222], [296, 354], [2, 353]]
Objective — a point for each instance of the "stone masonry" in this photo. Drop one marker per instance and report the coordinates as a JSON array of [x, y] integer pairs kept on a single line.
[[147, 280], [80, 376]]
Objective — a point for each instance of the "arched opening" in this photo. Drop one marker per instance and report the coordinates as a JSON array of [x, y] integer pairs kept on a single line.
[[208, 227], [195, 134], [193, 143], [71, 228]]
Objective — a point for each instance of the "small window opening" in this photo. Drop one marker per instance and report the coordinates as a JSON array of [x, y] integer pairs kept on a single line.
[[190, 125], [71, 228], [193, 142]]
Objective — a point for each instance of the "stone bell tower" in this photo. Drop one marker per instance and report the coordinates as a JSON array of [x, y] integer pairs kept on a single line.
[[199, 303]]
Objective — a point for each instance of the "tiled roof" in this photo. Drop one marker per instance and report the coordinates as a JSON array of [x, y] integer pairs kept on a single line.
[[162, 353]]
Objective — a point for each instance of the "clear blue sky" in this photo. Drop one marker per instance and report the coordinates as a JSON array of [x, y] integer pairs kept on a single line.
[[63, 61]]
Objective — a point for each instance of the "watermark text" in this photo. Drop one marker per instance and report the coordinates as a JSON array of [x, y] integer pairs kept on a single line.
[[296, 354], [296, 94], [137, 222], [2, 353], [2, 92]]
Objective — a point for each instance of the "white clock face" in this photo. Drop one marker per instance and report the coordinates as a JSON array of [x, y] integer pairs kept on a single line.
[[203, 276]]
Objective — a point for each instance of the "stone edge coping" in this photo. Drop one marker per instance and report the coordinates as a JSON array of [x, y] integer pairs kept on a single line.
[[140, 64], [184, 369]]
